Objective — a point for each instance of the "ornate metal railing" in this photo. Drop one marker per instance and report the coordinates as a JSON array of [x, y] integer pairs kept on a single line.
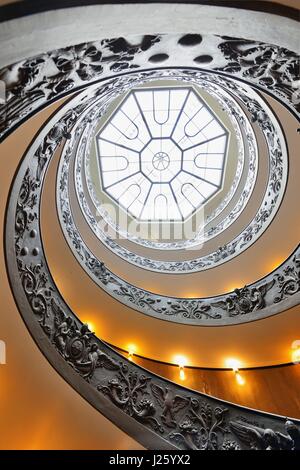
[[156, 412], [39, 80]]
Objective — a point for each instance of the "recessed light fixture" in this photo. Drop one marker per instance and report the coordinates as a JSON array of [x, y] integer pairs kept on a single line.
[[90, 325], [2, 352], [296, 352], [234, 364], [182, 362], [131, 351]]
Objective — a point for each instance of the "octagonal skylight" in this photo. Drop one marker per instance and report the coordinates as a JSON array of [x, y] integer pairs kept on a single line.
[[162, 153]]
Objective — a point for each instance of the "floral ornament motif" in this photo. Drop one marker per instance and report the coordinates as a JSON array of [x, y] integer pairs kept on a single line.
[[245, 300], [211, 421], [77, 345], [272, 67], [58, 71], [128, 390], [138, 297], [289, 281], [31, 82], [230, 445], [34, 282], [52, 140], [260, 438], [224, 252], [27, 200], [98, 267], [84, 60], [203, 429], [191, 309]]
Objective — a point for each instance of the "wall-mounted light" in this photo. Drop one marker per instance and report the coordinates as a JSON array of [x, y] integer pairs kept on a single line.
[[181, 373], [296, 351], [131, 351], [2, 352], [234, 364], [182, 362], [239, 378], [90, 325]]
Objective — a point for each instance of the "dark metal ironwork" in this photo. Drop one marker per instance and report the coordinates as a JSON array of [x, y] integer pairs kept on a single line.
[[157, 413], [39, 80]]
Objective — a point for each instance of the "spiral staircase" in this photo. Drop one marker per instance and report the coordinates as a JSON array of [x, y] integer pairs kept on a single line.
[[150, 219]]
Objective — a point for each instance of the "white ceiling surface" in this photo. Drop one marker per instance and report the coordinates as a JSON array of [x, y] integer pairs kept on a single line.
[[65, 27]]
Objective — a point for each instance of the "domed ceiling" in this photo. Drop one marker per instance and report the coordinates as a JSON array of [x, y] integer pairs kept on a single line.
[[172, 163], [155, 204], [155, 232]]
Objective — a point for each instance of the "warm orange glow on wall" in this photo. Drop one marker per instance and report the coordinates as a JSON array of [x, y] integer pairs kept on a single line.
[[232, 287], [38, 436], [192, 295], [275, 264]]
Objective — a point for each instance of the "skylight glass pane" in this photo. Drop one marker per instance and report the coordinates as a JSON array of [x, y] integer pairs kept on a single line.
[[212, 176], [160, 109], [116, 162], [162, 153], [212, 129], [209, 160]]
